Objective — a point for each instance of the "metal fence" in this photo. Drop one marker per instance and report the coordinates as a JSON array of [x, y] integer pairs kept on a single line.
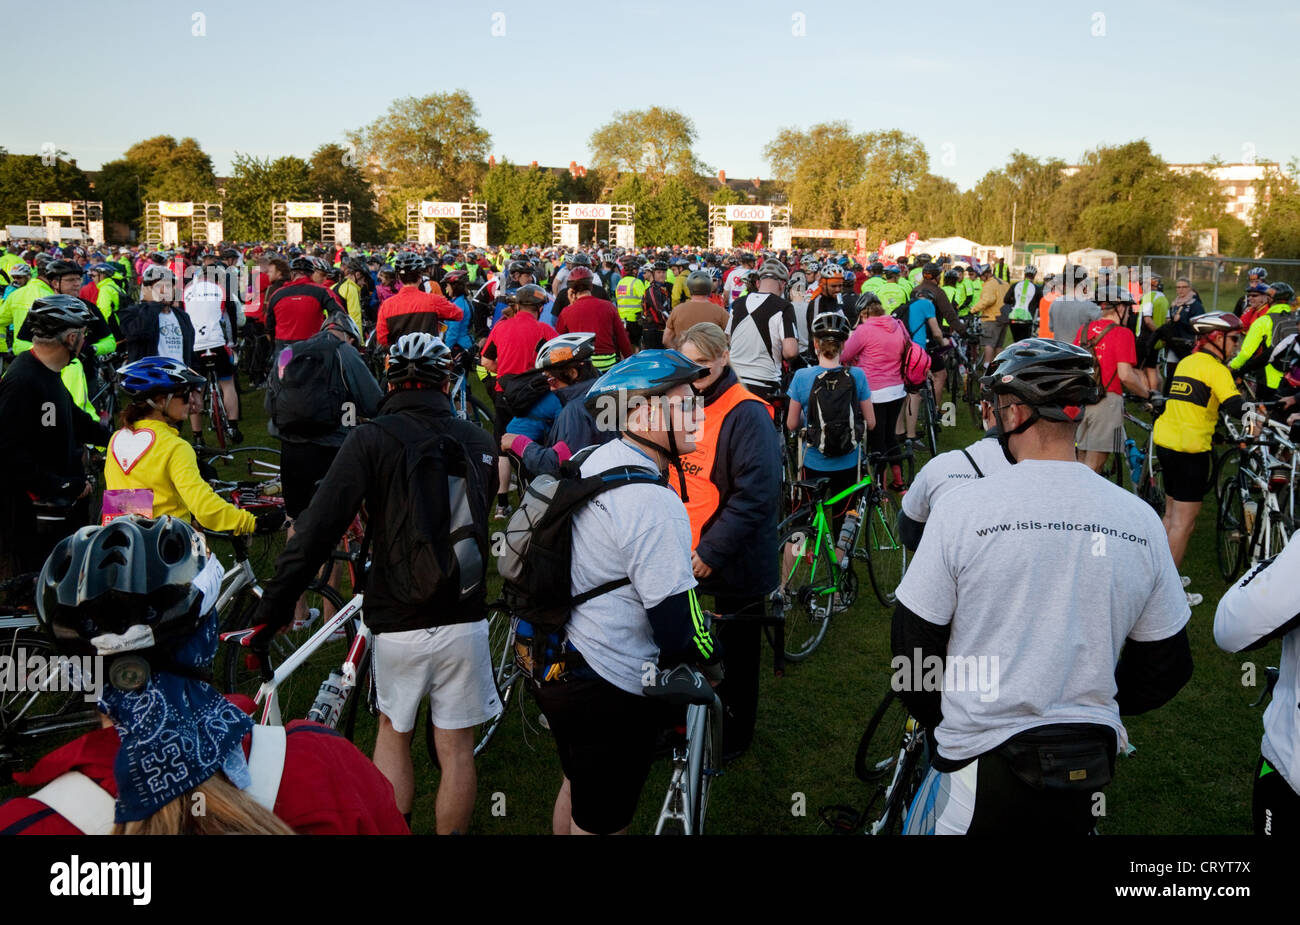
[[1220, 281]]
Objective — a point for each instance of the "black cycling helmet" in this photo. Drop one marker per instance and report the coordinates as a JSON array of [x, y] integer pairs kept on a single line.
[[1282, 292], [342, 321], [56, 268], [301, 264], [1056, 379], [520, 266], [580, 260], [830, 326], [566, 350], [747, 257], [54, 314], [1111, 292], [660, 265], [699, 282], [866, 300], [530, 296], [930, 271], [951, 276], [419, 357], [877, 267], [133, 572]]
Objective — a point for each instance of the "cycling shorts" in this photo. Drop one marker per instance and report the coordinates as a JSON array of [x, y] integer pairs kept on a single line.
[[217, 359], [1186, 475]]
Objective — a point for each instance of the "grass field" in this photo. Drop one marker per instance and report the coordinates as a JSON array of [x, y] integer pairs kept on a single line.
[[1191, 773]]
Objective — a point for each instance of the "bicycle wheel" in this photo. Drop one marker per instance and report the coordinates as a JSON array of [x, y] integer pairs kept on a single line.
[[808, 585], [881, 546], [1149, 488], [972, 398], [216, 410], [479, 413], [931, 423], [1233, 528], [881, 741], [501, 645], [30, 713], [241, 669], [1225, 471], [705, 749]]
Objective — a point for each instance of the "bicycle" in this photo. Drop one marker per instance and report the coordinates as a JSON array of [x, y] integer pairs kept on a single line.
[[1143, 464], [1257, 516], [972, 360], [214, 408], [696, 760], [464, 403]]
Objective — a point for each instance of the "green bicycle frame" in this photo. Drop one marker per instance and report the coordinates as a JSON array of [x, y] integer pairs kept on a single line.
[[822, 524]]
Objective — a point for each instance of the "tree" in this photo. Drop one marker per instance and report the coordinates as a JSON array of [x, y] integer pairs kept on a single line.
[[255, 185], [519, 203], [1277, 216], [334, 176], [28, 176], [431, 143], [672, 216], [1122, 198], [178, 171], [655, 143], [119, 186]]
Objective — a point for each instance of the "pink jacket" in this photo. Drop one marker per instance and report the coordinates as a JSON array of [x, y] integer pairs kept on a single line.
[[876, 347]]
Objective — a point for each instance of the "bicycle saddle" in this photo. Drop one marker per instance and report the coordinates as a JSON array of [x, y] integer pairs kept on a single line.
[[680, 686]]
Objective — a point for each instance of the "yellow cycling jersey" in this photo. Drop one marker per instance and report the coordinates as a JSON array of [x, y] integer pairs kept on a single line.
[[152, 456], [1200, 384]]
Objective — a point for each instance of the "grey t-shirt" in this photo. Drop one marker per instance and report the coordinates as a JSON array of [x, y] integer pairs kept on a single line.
[[948, 471], [1067, 316], [637, 531], [1042, 570]]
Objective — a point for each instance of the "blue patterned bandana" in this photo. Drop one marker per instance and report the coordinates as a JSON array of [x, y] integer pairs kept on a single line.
[[176, 732]]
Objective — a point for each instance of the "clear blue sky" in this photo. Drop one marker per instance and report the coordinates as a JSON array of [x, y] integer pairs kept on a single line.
[[271, 78]]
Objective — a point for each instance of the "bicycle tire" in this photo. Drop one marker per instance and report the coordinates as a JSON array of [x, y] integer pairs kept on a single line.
[[1149, 488], [29, 714], [1232, 536], [882, 548], [482, 413], [216, 410], [972, 397], [1225, 468], [501, 647], [702, 771], [881, 741], [806, 597], [929, 406]]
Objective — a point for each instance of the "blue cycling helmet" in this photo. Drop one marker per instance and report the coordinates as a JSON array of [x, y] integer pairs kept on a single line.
[[158, 376], [650, 372]]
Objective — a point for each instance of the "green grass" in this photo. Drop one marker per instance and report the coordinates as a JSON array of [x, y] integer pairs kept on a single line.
[[1191, 773]]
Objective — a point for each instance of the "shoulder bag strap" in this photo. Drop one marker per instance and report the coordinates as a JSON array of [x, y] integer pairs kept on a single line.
[[81, 801]]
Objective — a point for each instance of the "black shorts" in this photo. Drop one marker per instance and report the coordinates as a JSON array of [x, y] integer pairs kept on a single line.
[[302, 465], [216, 359], [502, 416], [606, 741], [1187, 475]]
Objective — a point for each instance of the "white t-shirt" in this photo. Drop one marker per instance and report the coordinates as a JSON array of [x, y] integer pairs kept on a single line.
[[1042, 571], [203, 303], [758, 324], [171, 341], [948, 471], [1264, 599], [638, 531]]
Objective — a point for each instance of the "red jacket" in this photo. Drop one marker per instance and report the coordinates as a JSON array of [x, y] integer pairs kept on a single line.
[[328, 787], [411, 310], [297, 309], [599, 317]]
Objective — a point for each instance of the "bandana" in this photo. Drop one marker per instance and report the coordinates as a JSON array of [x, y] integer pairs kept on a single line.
[[176, 732]]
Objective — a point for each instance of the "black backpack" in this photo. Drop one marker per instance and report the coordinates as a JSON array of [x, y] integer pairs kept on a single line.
[[536, 564], [436, 518], [520, 391], [307, 399], [835, 424], [1284, 325]]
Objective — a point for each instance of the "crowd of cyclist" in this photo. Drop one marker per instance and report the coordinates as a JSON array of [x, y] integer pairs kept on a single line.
[[734, 352]]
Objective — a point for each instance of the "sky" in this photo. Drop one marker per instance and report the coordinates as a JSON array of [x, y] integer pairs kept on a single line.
[[973, 82]]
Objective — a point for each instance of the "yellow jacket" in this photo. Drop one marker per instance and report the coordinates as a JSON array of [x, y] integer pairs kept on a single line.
[[154, 457], [989, 303], [351, 294]]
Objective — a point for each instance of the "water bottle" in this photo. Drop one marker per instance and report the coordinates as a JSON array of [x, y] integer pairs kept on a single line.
[[1135, 460], [848, 536], [328, 705]]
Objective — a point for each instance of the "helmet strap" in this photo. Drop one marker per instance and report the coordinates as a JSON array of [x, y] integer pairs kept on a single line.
[[1004, 436]]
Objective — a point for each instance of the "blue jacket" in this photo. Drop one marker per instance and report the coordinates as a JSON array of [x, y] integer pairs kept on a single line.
[[574, 427]]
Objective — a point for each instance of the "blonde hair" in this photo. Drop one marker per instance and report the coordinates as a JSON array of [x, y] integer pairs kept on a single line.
[[708, 338], [223, 809], [829, 347]]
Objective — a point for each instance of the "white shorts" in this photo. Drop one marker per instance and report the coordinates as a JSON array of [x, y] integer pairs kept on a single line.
[[451, 664], [944, 804]]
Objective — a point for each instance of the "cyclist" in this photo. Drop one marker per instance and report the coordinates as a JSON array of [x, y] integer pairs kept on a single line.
[[891, 293], [1258, 344], [991, 307], [457, 336], [42, 433], [945, 472], [829, 332], [411, 309], [139, 593], [1201, 388], [1153, 311], [763, 336], [605, 728], [628, 294], [586, 312], [699, 307], [430, 641], [1258, 609], [295, 311], [876, 347], [656, 305], [1024, 298], [1111, 338], [155, 326], [147, 454], [216, 317], [1051, 647]]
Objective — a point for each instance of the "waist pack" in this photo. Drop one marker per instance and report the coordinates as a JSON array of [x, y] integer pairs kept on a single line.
[[1063, 757]]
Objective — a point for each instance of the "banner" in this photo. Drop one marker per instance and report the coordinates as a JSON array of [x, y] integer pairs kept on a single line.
[[569, 234], [884, 242], [175, 209], [439, 209], [95, 230], [821, 233], [343, 233], [722, 236], [781, 238], [293, 232], [171, 234], [478, 234], [52, 230], [601, 213], [216, 232], [911, 243], [304, 209], [861, 236], [428, 233], [625, 236], [749, 213], [56, 209]]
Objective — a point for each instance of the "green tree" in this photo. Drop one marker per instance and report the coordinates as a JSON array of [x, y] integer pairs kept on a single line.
[[519, 203], [673, 215], [1277, 216], [334, 175], [255, 185], [1123, 198], [431, 143], [28, 176], [655, 143], [178, 171]]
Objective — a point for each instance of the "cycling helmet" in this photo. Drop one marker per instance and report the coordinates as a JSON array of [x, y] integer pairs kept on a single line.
[[650, 372], [1282, 293], [951, 276], [580, 260], [566, 350], [700, 282], [320, 265], [892, 270], [132, 572], [158, 376], [419, 357], [930, 271], [747, 257], [1110, 292], [1031, 271], [530, 295], [406, 262], [54, 269], [832, 271], [866, 300], [660, 265], [830, 326], [334, 274], [1258, 289], [229, 253], [20, 269], [1054, 378], [1258, 273], [877, 267], [774, 269], [54, 314], [579, 274], [811, 267], [301, 264], [156, 274], [520, 266], [342, 321], [455, 279], [923, 258], [102, 269], [1214, 322]]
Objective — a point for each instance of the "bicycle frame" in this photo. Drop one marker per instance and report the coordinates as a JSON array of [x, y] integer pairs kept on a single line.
[[688, 769], [913, 738]]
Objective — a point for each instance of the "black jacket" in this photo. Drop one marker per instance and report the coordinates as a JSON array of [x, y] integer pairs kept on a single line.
[[139, 323], [365, 468], [739, 541]]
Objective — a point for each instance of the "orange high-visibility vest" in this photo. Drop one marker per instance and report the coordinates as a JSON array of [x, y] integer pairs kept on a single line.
[[698, 464], [1044, 313]]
